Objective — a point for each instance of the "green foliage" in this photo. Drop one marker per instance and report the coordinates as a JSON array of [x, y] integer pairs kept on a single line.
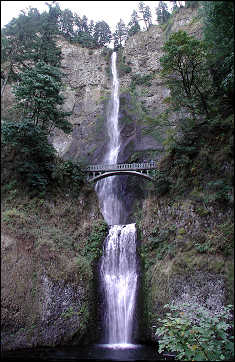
[[93, 247], [68, 176], [197, 130], [34, 156], [162, 12], [69, 313], [38, 97], [102, 33], [161, 182], [125, 68], [138, 79], [192, 4], [195, 333], [82, 312], [187, 75], [222, 189], [218, 19], [120, 35], [159, 245], [133, 26], [145, 14], [28, 39]]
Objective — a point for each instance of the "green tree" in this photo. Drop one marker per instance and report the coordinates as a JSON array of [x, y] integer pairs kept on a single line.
[[18, 38], [45, 48], [91, 28], [133, 25], [162, 12], [33, 155], [186, 72], [146, 15], [218, 19], [174, 5], [120, 34], [192, 4], [83, 32], [102, 33], [66, 23], [29, 39], [38, 97]]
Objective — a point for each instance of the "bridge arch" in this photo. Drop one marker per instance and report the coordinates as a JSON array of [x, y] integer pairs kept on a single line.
[[113, 173], [98, 172]]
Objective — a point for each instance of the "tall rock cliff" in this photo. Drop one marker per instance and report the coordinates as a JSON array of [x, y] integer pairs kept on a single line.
[[87, 87]]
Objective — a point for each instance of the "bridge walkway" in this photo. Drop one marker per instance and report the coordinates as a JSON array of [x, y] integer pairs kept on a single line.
[[97, 172]]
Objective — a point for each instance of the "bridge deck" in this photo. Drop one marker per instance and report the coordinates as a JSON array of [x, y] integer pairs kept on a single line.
[[122, 166]]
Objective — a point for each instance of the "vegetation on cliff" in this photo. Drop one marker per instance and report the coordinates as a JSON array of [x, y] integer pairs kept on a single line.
[[197, 335], [188, 234], [199, 143]]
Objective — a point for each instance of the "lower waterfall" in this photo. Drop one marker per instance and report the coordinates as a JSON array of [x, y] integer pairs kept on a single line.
[[119, 278]]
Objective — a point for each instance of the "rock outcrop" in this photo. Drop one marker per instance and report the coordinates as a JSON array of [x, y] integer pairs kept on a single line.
[[49, 291]]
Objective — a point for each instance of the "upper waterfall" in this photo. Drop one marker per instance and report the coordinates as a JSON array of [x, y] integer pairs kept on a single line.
[[112, 120], [111, 206]]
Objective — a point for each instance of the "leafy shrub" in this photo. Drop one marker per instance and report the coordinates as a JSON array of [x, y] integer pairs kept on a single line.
[[196, 334], [221, 188], [124, 68], [68, 175], [93, 247], [138, 79], [34, 156], [161, 182]]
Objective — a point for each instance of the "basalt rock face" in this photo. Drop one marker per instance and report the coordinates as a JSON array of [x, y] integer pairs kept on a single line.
[[87, 89], [187, 251], [139, 68], [48, 288]]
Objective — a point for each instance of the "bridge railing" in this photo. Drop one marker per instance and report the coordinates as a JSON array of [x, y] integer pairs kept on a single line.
[[122, 166]]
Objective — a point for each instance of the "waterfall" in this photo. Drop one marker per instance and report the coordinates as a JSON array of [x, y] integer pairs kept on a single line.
[[109, 203], [119, 274], [118, 269]]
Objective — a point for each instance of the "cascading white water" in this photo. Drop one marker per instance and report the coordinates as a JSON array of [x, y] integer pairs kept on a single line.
[[119, 261], [119, 274], [109, 203]]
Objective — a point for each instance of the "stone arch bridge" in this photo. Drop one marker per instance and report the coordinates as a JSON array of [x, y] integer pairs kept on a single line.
[[98, 172]]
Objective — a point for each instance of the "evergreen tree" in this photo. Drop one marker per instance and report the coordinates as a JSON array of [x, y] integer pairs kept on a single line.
[[174, 5], [145, 14], [29, 39], [102, 33], [133, 25], [38, 97], [218, 18], [66, 24], [162, 13], [18, 39], [148, 16], [83, 32], [84, 23], [91, 28], [46, 49], [120, 35], [192, 4]]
